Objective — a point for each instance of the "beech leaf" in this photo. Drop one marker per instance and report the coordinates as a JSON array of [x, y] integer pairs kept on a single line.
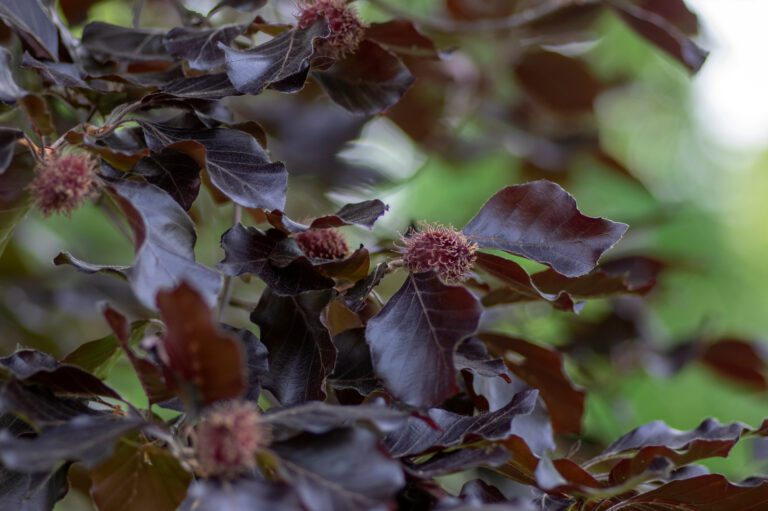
[[206, 364], [282, 62], [324, 470], [237, 165], [369, 81], [413, 338], [301, 353], [540, 221]]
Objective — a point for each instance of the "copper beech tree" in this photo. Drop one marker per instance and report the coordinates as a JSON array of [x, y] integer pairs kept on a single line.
[[339, 393]]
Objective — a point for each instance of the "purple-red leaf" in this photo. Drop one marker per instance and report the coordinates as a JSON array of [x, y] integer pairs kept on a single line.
[[205, 364], [282, 62], [661, 32], [447, 429], [237, 164], [542, 368], [342, 470], [164, 237], [301, 353], [413, 338], [34, 366], [200, 48], [540, 221], [250, 251], [519, 285], [369, 81]]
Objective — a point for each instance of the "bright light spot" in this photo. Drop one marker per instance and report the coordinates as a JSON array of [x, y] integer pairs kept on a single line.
[[731, 91]]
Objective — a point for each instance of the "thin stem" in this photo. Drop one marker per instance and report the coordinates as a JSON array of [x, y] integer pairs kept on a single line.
[[226, 287], [438, 24]]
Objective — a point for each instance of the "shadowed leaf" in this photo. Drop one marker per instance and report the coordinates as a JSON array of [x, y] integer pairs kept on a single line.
[[86, 438], [200, 48], [369, 81], [250, 251], [317, 417], [448, 429], [29, 19], [121, 44], [301, 353], [37, 367], [324, 470], [174, 172], [211, 495], [10, 93]]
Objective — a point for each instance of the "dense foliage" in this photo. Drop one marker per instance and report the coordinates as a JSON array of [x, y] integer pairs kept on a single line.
[[350, 397]]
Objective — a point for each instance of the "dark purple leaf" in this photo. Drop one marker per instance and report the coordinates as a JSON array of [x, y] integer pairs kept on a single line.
[[738, 360], [14, 201], [355, 298], [414, 336], [10, 92], [8, 138], [369, 81], [317, 417], [200, 48], [149, 373], [256, 360], [240, 5], [212, 495], [34, 366], [86, 438], [174, 172], [342, 470], [30, 20], [282, 62], [674, 11], [63, 74], [540, 221], [39, 405], [542, 368], [205, 363], [702, 493], [520, 287], [164, 238], [32, 492], [354, 369], [460, 460], [206, 87], [472, 355], [250, 251], [121, 44], [301, 353], [478, 491], [237, 165], [448, 429], [662, 33], [623, 276], [363, 214]]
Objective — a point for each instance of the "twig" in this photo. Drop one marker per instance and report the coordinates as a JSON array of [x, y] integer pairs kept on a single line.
[[226, 287], [438, 24]]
